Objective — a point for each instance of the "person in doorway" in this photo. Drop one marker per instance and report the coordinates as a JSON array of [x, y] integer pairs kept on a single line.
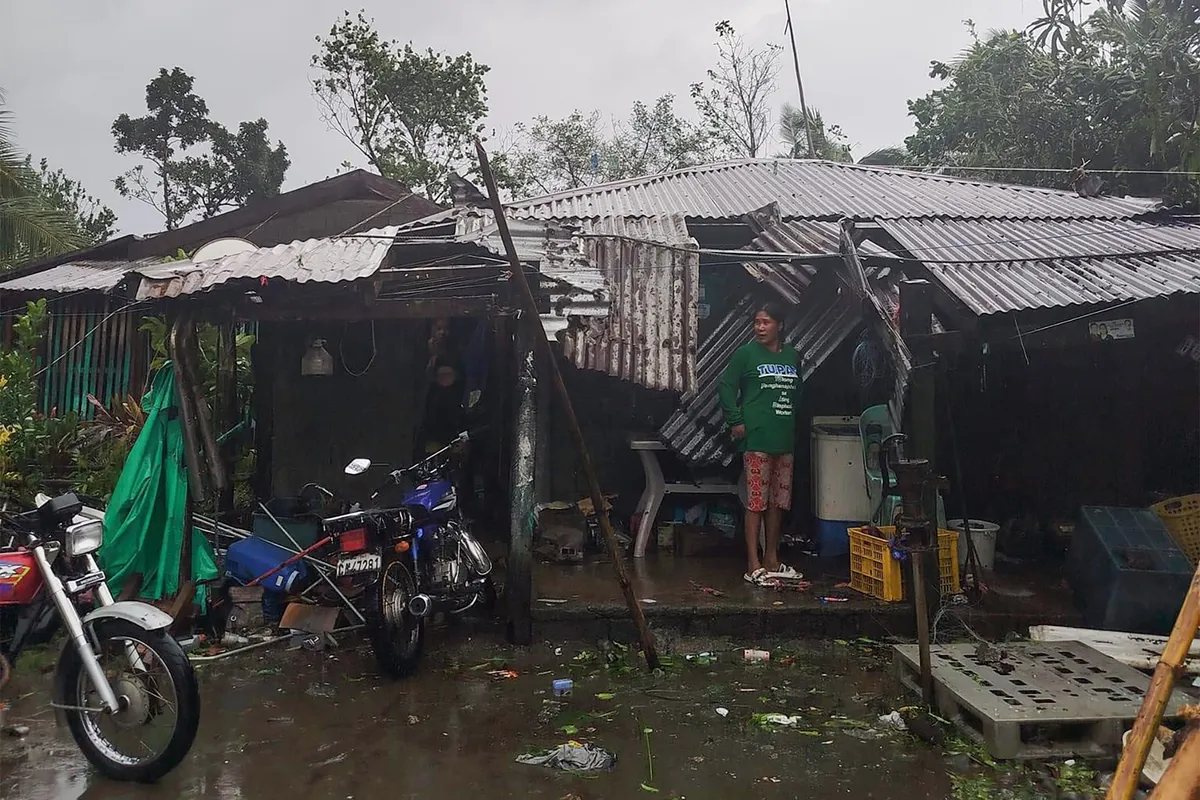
[[445, 417], [759, 390]]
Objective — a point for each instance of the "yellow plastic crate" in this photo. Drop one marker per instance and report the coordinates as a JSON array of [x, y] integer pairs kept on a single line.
[[874, 572], [1181, 515]]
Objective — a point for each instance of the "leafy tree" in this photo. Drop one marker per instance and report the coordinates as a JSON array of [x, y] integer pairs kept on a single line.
[[734, 105], [829, 142], [197, 165], [1117, 91], [581, 150], [96, 221], [412, 114], [31, 226]]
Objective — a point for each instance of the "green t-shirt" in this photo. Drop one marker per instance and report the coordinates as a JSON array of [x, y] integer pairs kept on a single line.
[[759, 389]]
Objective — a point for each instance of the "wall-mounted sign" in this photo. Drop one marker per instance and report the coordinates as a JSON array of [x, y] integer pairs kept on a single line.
[[1108, 329]]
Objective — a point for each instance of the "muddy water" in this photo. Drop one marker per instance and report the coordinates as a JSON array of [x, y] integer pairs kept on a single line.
[[300, 724]]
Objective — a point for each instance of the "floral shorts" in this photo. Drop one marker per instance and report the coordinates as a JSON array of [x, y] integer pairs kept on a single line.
[[768, 481]]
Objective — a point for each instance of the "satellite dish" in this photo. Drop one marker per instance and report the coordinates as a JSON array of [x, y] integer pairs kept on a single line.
[[219, 248]]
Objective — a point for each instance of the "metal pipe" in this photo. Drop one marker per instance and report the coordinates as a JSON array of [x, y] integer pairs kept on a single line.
[[201, 660], [320, 573]]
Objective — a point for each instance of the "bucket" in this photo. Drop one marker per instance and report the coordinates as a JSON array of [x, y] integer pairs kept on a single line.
[[983, 534]]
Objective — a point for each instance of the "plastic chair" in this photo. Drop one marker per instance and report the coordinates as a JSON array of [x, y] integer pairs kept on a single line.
[[875, 425]]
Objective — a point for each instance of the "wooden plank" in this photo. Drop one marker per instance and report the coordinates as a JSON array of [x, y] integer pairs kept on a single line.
[[1137, 650]]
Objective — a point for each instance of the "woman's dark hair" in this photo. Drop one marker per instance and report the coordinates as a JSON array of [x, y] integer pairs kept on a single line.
[[772, 308]]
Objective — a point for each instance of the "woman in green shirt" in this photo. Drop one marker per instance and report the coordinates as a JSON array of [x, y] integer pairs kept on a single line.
[[758, 391]]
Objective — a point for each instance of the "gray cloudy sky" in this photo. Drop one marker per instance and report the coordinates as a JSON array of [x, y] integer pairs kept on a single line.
[[76, 64]]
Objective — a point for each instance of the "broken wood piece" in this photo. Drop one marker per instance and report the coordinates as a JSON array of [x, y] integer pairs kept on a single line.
[[309, 618], [1181, 781]]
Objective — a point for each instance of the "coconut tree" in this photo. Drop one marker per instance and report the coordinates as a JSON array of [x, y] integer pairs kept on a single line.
[[29, 227], [829, 142]]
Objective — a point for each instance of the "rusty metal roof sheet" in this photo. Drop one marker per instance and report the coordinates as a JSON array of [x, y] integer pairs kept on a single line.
[[825, 318], [330, 260], [649, 335], [78, 276], [821, 190], [998, 267]]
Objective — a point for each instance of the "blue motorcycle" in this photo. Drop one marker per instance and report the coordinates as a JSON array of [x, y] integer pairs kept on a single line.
[[418, 558]]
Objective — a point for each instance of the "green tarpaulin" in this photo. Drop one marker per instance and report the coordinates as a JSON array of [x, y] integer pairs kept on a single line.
[[143, 524]]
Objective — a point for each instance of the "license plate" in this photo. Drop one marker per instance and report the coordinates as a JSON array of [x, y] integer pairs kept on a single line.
[[364, 562]]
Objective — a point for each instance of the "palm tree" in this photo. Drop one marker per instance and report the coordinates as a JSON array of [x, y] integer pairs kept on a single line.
[[829, 143], [29, 227], [887, 157]]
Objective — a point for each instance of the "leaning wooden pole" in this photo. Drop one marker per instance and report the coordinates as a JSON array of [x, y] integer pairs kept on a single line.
[[1170, 665], [531, 318]]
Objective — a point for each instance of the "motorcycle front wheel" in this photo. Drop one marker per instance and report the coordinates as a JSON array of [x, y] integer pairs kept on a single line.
[[160, 702], [397, 635]]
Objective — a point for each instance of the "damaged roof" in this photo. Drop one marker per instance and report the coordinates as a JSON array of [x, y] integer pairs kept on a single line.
[[996, 267], [334, 260], [825, 190]]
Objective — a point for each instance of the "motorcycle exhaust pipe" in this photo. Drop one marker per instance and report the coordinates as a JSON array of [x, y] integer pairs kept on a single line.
[[420, 605]]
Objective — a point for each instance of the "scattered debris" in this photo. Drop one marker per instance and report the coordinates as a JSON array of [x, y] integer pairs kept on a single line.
[[782, 720], [551, 601], [605, 696], [703, 659], [648, 600], [413, 719], [339, 758], [550, 710], [756, 656], [562, 687], [504, 674], [16, 730], [707, 590], [833, 598], [893, 721], [722, 712], [572, 757]]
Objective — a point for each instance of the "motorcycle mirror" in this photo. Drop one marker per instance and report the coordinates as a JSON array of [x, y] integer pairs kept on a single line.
[[464, 437], [358, 466]]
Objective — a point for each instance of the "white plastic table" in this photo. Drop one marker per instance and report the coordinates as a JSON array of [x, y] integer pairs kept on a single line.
[[657, 488]]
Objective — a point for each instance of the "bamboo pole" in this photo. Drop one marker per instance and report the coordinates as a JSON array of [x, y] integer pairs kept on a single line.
[[1133, 758], [531, 318], [1181, 781]]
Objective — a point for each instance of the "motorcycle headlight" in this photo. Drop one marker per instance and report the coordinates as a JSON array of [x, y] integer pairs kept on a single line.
[[84, 537]]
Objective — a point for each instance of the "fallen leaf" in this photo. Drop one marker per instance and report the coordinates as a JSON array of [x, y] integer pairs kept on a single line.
[[648, 788], [569, 730]]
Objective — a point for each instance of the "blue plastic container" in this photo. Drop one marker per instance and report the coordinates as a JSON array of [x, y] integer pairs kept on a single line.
[[249, 558], [1126, 571], [832, 537]]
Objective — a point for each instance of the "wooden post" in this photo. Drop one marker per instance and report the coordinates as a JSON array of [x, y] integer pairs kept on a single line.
[[227, 414], [916, 315], [263, 363], [519, 577], [1162, 682], [531, 319]]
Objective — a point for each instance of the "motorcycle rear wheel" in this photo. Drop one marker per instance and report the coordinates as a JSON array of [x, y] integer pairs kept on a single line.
[[397, 636], [144, 696]]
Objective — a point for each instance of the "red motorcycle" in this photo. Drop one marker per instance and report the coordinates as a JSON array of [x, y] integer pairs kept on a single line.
[[123, 685]]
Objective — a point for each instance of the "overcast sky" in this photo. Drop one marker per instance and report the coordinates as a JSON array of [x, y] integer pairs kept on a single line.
[[74, 65]]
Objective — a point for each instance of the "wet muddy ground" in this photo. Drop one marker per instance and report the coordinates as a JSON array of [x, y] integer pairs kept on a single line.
[[325, 725], [311, 725]]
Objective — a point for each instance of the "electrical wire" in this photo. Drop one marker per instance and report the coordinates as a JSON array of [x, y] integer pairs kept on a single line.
[[342, 352]]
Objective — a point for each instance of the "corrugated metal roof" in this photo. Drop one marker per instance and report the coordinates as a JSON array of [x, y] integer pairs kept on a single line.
[[825, 318], [821, 190], [1000, 267], [78, 276], [802, 237], [312, 260], [649, 335]]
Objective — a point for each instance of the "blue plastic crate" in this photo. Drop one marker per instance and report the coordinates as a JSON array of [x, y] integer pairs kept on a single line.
[[1126, 571]]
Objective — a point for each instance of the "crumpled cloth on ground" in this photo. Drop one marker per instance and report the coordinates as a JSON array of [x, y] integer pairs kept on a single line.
[[572, 757]]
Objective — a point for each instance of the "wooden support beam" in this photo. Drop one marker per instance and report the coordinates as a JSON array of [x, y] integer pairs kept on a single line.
[[518, 588], [228, 411], [381, 308], [532, 322]]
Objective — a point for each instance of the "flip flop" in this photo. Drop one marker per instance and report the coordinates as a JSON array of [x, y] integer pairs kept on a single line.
[[785, 572], [758, 578]]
